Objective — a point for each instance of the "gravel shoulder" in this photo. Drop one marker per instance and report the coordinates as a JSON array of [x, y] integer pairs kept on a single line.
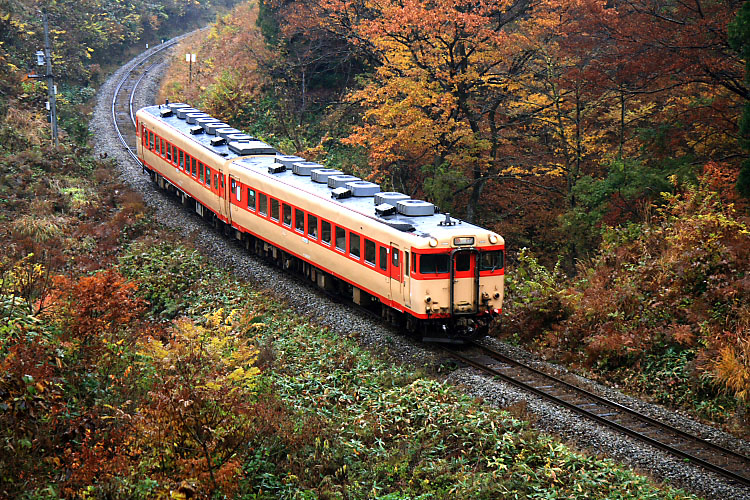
[[586, 436]]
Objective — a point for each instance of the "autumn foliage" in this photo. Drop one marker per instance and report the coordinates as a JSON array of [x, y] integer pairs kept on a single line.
[[676, 286]]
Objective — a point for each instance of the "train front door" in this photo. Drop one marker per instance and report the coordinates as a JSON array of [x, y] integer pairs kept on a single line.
[[464, 281], [400, 282]]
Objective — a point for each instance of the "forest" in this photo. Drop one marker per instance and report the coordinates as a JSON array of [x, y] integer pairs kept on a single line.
[[607, 141]]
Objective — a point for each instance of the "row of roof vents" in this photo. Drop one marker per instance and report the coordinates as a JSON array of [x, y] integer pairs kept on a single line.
[[345, 186], [342, 185]]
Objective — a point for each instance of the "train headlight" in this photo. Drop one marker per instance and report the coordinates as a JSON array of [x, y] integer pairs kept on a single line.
[[433, 242], [428, 299], [493, 238]]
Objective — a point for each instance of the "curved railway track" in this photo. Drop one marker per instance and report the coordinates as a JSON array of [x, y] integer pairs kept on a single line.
[[729, 464], [123, 113], [732, 465]]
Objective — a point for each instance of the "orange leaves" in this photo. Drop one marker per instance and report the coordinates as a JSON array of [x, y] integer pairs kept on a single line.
[[97, 306]]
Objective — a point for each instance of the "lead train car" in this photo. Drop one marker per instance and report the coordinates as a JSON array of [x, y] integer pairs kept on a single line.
[[441, 276]]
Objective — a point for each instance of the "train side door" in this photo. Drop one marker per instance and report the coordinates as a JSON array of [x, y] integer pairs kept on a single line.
[[399, 277], [234, 198]]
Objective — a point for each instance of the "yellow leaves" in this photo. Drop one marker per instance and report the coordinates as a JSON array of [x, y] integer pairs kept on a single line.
[[732, 369], [226, 358]]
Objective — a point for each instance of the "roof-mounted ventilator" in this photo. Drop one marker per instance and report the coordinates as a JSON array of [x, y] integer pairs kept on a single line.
[[247, 148], [226, 132], [192, 117], [196, 130], [288, 160], [415, 208], [183, 112], [218, 141], [337, 181], [211, 127], [363, 188], [276, 168], [176, 105], [385, 209], [389, 197], [165, 112], [305, 168], [321, 175], [341, 192], [239, 138]]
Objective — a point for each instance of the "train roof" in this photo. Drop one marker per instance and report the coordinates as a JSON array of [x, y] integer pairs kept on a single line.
[[425, 226], [265, 161]]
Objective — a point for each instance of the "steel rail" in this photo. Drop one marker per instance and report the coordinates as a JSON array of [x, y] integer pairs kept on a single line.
[[603, 401], [139, 62]]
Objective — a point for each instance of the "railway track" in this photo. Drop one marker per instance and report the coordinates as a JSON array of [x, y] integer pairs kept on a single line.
[[731, 465], [123, 112]]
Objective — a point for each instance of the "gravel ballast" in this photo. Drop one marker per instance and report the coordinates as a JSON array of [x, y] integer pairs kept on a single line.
[[304, 298]]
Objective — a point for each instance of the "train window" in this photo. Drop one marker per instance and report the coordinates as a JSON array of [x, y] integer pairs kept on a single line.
[[325, 232], [383, 258], [341, 239], [169, 152], [491, 261], [192, 166], [181, 161], [369, 252], [200, 171], [222, 182], [299, 220], [354, 244], [275, 209], [394, 258], [216, 182], [262, 204], [312, 226], [406, 263], [413, 262], [463, 261], [151, 140], [287, 214], [237, 188], [161, 147], [250, 199], [208, 176], [434, 263]]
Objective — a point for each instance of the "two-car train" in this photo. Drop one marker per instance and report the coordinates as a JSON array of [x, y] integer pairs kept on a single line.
[[440, 276]]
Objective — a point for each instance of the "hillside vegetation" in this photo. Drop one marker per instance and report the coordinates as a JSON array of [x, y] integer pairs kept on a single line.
[[132, 367], [604, 140]]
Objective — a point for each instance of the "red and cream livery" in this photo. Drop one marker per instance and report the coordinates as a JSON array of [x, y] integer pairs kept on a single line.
[[441, 276]]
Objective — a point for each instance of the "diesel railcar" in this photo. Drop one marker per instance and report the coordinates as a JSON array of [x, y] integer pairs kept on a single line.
[[440, 276]]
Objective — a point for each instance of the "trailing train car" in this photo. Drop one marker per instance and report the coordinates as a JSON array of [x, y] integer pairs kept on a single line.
[[440, 276]]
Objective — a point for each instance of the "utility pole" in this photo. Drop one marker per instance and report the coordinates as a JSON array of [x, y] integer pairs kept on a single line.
[[190, 59], [50, 81]]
